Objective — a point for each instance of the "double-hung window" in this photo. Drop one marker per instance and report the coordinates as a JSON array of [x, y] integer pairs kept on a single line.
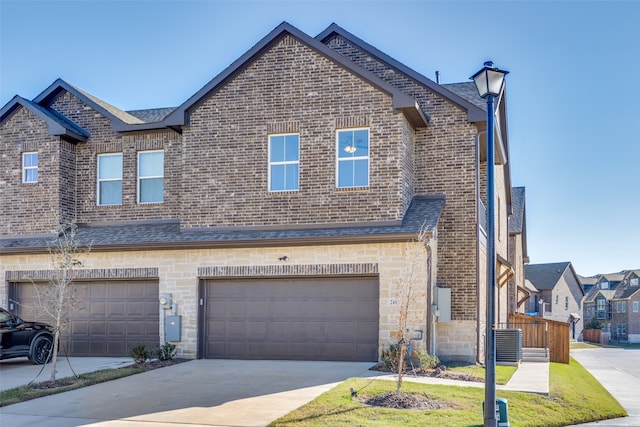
[[110, 179], [30, 167], [352, 146], [635, 306], [151, 176], [284, 162]]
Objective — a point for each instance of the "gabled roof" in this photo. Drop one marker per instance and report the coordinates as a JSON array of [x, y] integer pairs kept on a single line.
[[613, 279], [632, 273], [401, 101], [117, 117], [545, 276], [423, 214], [474, 112], [57, 124], [626, 292]]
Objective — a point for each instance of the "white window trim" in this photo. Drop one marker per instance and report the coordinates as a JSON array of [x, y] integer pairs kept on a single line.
[[635, 306], [27, 168], [98, 180], [282, 163], [139, 178], [368, 158]]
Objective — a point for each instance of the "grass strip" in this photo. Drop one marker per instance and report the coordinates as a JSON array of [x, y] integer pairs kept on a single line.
[[575, 397], [33, 391]]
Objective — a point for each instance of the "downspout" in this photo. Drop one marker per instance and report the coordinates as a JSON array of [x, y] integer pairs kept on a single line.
[[479, 335], [431, 331]]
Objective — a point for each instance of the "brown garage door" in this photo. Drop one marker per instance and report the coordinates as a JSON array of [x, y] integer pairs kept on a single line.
[[292, 319], [111, 318]]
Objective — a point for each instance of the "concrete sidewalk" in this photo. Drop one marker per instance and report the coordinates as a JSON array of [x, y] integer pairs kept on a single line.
[[529, 378]]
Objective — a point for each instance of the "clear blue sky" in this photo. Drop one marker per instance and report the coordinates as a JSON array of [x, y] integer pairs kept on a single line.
[[573, 90]]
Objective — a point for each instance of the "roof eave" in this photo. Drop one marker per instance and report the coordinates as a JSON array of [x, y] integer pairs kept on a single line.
[[54, 128], [240, 243], [474, 114]]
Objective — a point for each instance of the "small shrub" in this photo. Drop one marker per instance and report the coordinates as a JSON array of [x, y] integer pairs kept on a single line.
[[166, 351], [427, 361], [140, 353], [593, 324], [389, 357]]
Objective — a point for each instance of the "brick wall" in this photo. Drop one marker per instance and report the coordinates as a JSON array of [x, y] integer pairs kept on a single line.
[[226, 145], [104, 140], [32, 207], [445, 162]]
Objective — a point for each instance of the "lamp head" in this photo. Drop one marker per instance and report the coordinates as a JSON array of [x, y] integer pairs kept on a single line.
[[489, 80]]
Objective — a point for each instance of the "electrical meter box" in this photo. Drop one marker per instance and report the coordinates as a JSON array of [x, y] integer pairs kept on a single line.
[[173, 328], [443, 301]]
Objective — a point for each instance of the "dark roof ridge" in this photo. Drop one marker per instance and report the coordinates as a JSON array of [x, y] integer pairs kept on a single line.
[[57, 124], [401, 101], [113, 114], [474, 113]]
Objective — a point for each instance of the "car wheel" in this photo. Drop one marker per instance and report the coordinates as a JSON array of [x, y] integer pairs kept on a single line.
[[41, 350]]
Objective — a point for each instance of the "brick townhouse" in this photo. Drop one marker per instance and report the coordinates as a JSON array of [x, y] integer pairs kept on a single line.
[[272, 211]]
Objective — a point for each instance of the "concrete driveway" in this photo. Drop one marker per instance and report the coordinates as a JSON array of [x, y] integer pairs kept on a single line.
[[19, 371], [618, 370], [195, 393]]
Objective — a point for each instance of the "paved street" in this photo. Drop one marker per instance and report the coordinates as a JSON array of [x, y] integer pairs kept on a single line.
[[618, 370]]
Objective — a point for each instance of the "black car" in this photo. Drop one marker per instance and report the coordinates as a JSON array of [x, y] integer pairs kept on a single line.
[[19, 338]]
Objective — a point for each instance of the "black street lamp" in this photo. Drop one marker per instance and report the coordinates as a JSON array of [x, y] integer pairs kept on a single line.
[[489, 82]]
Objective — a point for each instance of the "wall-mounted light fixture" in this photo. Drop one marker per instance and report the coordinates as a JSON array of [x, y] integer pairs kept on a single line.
[[283, 258]]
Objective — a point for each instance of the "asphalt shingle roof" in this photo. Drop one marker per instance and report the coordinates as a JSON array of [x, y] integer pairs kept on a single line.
[[516, 220], [545, 276], [423, 213], [152, 115]]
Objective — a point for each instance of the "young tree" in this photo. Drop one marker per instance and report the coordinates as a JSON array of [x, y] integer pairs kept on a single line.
[[417, 260], [57, 297]]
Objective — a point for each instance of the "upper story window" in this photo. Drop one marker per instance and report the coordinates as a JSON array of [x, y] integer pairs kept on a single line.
[[30, 167], [604, 285], [566, 303], [634, 281], [109, 179], [635, 306], [284, 162], [151, 176], [621, 306], [352, 158]]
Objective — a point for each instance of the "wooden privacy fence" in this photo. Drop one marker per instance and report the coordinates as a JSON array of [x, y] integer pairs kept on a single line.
[[543, 333]]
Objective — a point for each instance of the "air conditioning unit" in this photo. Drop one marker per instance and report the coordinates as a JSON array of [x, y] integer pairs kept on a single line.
[[508, 345]]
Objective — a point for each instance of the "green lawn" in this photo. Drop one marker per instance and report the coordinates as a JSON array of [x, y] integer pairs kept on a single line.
[[503, 373], [575, 397]]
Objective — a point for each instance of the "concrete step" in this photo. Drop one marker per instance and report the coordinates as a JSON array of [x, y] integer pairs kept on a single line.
[[535, 354]]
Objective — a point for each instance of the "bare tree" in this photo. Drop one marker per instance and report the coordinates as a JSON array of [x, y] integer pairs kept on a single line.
[[410, 293], [57, 298]]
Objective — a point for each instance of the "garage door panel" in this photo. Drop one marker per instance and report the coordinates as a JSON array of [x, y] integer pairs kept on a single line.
[[305, 319], [110, 319]]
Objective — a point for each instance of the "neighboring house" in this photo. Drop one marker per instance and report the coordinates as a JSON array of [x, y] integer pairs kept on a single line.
[[517, 293], [597, 302], [625, 309], [272, 210], [588, 282], [558, 293]]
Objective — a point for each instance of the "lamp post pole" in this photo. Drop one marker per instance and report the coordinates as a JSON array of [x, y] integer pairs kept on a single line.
[[489, 82], [490, 344]]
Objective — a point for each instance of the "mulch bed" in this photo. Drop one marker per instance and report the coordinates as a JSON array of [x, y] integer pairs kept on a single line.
[[441, 371], [402, 401]]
